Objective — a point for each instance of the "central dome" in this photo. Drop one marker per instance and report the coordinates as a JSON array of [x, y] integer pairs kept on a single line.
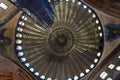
[[67, 50]]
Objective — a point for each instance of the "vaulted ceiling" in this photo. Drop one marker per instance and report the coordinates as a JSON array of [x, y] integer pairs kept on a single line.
[[12, 68]]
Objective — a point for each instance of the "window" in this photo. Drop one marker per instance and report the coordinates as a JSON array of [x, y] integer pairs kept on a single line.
[[103, 75], [118, 57], [111, 66], [4, 6], [118, 68], [109, 78]]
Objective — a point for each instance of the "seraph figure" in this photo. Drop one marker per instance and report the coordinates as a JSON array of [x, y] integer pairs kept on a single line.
[[4, 41], [112, 32]]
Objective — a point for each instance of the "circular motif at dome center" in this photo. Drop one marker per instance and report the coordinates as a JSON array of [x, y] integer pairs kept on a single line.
[[61, 41]]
